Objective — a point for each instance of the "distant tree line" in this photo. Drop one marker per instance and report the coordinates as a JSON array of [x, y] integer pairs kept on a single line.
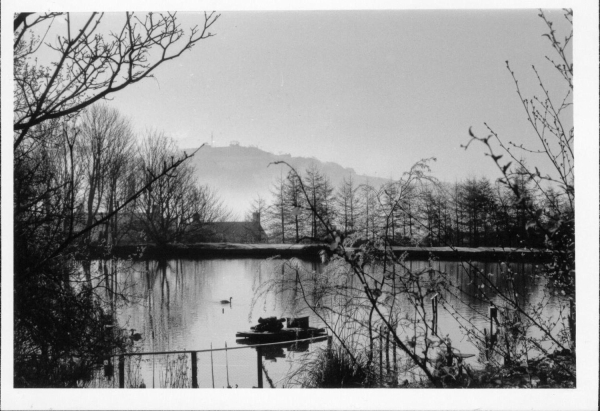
[[97, 164], [474, 212]]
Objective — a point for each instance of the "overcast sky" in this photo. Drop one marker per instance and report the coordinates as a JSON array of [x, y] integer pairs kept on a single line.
[[372, 90]]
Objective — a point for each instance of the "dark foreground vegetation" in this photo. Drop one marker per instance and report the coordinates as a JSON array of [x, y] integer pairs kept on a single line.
[[75, 169], [335, 368]]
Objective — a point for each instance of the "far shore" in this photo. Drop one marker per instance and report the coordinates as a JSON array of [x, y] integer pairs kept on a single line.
[[310, 251]]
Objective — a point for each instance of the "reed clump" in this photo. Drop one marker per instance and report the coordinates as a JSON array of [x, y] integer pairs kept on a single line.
[[334, 368]]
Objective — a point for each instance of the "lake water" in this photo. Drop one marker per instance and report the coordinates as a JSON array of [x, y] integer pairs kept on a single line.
[[176, 305]]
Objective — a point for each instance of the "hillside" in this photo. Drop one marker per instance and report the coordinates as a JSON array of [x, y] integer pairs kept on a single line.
[[241, 173]]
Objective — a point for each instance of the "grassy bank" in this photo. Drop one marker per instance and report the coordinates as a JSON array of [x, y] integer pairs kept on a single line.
[[309, 251]]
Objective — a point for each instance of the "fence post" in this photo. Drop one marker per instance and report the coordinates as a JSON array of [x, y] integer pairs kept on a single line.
[[395, 365], [493, 311], [572, 323], [194, 370], [491, 329], [434, 313], [212, 369], [121, 371], [387, 353], [259, 366], [380, 356], [449, 354]]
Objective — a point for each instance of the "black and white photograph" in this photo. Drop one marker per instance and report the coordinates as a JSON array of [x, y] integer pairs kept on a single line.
[[372, 201]]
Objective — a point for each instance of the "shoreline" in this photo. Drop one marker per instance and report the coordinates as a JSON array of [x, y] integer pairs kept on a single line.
[[308, 251]]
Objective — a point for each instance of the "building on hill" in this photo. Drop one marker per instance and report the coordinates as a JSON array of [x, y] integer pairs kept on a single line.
[[234, 231]]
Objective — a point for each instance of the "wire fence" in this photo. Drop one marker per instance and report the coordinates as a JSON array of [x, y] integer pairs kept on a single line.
[[185, 368]]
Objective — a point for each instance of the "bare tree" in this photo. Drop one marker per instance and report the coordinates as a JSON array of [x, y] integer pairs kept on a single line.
[[550, 119], [364, 284], [88, 64], [321, 197], [64, 326], [368, 200], [296, 210], [347, 203], [258, 205], [174, 207], [277, 211], [105, 147], [206, 206]]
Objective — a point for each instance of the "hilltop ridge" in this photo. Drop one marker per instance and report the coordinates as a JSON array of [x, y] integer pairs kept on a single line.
[[241, 173]]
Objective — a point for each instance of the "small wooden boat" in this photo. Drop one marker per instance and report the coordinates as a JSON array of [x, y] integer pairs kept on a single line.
[[298, 329], [287, 334]]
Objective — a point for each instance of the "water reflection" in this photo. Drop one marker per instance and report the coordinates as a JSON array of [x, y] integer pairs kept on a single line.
[[177, 306], [468, 297]]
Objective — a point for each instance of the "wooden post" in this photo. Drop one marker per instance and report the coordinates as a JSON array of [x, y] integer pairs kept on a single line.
[[395, 363], [194, 370], [572, 322], [387, 352], [493, 311], [259, 366], [121, 371], [491, 332], [434, 311], [227, 365], [212, 370], [433, 315], [380, 356]]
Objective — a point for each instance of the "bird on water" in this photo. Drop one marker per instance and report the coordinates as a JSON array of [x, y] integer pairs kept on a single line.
[[226, 301], [135, 336]]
